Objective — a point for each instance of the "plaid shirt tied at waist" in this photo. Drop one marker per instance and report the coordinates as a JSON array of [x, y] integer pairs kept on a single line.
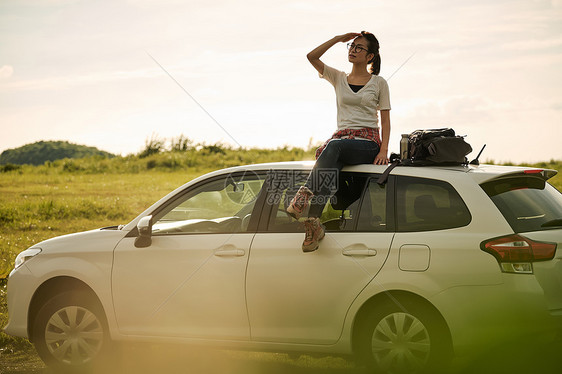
[[368, 133]]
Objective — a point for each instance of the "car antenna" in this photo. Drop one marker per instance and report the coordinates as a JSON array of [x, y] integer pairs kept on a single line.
[[475, 161]]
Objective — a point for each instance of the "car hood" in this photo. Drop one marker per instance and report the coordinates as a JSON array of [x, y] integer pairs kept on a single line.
[[93, 240]]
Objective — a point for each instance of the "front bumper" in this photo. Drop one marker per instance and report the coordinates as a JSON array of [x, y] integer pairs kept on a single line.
[[20, 292]]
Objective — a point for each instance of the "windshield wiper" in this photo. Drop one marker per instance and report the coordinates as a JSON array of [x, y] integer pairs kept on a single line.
[[552, 223]]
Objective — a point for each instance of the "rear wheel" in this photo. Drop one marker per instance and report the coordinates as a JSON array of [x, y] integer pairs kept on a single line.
[[70, 332], [404, 337]]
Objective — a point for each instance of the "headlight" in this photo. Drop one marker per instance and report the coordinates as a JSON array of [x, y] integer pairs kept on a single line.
[[26, 255]]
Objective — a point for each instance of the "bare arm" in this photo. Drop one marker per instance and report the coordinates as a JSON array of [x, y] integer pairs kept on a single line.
[[314, 55], [382, 157]]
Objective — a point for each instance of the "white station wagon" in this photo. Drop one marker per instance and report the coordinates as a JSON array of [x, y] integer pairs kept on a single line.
[[413, 272]]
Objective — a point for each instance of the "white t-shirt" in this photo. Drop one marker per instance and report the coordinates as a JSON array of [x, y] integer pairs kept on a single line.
[[358, 109]]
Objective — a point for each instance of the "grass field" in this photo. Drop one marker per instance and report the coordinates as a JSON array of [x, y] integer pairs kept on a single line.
[[37, 203], [36, 207]]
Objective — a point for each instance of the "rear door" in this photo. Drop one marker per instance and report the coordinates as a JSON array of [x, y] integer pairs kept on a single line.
[[301, 297], [433, 236]]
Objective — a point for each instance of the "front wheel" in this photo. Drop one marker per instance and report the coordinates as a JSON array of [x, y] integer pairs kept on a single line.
[[70, 332], [404, 337]]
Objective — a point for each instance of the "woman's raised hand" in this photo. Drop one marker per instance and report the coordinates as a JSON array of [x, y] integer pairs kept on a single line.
[[314, 55], [347, 37]]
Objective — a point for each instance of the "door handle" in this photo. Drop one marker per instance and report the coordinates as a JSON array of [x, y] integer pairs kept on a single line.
[[229, 251], [359, 250]]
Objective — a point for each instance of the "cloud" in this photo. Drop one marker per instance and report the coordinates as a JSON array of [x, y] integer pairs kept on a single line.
[[556, 105], [73, 80], [535, 44], [6, 71], [469, 107]]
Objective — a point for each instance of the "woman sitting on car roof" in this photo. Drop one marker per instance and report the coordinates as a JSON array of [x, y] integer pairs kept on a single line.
[[360, 95]]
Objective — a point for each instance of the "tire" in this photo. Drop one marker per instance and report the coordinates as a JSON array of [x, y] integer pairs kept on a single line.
[[70, 332], [404, 337]]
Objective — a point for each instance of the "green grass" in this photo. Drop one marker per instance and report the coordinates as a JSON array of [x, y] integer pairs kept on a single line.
[[61, 197]]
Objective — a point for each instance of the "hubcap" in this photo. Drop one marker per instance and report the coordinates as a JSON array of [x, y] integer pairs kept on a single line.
[[400, 343], [74, 335]]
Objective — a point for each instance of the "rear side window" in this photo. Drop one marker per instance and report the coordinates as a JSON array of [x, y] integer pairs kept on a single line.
[[527, 203], [339, 214], [428, 204]]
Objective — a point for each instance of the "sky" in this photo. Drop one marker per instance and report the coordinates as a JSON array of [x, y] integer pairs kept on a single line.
[[114, 73]]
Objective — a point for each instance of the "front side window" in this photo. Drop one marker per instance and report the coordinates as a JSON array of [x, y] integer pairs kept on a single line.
[[223, 205], [527, 203], [428, 204]]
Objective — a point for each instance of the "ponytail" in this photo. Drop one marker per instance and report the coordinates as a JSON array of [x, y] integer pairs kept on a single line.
[[375, 62]]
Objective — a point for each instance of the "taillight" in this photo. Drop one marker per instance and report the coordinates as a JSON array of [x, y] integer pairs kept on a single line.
[[516, 253], [533, 171]]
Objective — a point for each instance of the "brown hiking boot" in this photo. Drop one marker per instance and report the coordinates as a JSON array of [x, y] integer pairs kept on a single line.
[[314, 232], [299, 202]]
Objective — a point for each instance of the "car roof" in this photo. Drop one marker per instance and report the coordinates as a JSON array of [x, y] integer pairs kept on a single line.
[[479, 173]]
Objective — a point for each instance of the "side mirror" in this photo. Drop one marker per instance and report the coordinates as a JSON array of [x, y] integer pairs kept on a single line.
[[144, 227]]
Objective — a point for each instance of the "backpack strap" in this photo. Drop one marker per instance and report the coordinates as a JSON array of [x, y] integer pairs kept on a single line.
[[384, 176]]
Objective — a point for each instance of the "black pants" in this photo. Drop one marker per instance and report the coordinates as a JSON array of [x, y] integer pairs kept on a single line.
[[323, 179]]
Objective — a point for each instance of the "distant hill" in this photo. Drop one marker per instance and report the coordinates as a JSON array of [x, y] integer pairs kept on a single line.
[[38, 153]]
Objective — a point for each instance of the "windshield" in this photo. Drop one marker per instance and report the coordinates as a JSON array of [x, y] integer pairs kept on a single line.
[[527, 203]]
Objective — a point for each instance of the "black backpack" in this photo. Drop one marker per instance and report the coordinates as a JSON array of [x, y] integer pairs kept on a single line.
[[437, 147], [431, 147]]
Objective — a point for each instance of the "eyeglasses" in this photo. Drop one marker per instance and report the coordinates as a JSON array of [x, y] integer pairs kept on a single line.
[[355, 48]]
